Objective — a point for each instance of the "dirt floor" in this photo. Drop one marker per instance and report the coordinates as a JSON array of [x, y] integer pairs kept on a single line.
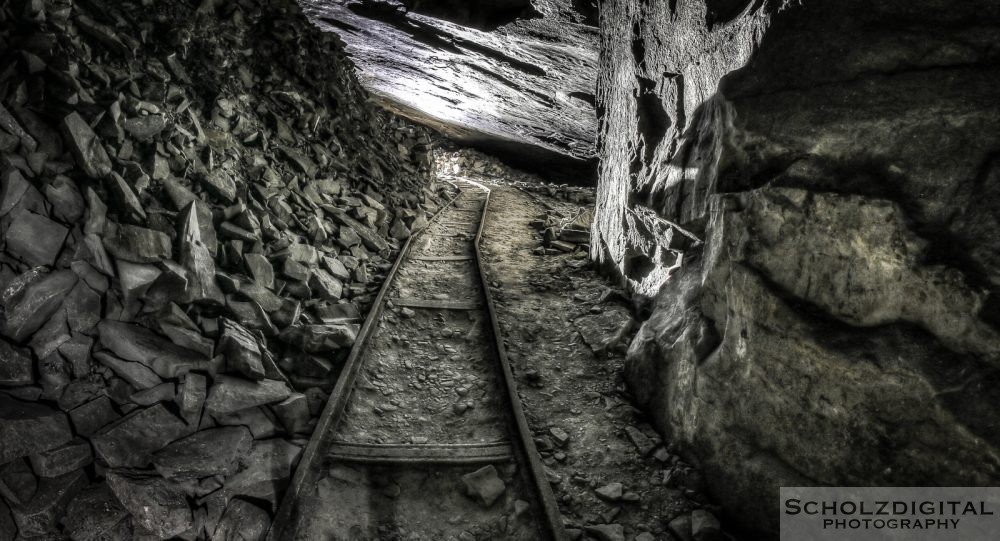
[[589, 435]]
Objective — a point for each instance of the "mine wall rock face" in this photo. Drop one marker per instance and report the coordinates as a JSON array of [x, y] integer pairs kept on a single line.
[[809, 192], [198, 204], [514, 77]]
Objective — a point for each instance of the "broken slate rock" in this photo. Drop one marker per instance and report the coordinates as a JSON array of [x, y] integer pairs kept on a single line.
[[221, 185], [86, 146], [605, 330], [192, 393], [259, 420], [136, 374], [95, 514], [62, 460], [139, 344], [642, 442], [216, 451], [35, 239], [131, 441], [242, 520], [607, 532], [320, 338], [137, 244], [229, 394], [145, 128], [155, 504], [128, 202], [704, 526], [261, 269], [39, 516], [90, 417], [293, 413], [611, 492], [241, 350], [269, 460], [16, 366], [484, 485], [28, 428], [33, 301]]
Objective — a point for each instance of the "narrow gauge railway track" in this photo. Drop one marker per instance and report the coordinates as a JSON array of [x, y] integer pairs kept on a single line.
[[424, 436]]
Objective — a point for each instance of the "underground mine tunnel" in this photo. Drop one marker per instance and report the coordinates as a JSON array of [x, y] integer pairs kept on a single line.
[[675, 270]]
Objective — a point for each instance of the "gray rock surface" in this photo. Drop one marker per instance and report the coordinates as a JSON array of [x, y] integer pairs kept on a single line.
[[803, 189], [523, 89]]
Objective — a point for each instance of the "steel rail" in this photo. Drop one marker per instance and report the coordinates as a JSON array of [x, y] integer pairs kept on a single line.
[[317, 452], [328, 421]]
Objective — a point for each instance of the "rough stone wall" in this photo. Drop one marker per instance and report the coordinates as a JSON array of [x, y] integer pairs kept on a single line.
[[197, 205], [523, 90], [809, 190]]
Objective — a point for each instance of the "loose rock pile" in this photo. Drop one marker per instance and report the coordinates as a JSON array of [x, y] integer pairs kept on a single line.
[[454, 161], [562, 233], [196, 207]]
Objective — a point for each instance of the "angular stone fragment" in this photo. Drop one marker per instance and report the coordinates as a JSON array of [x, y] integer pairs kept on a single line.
[[484, 485], [67, 203], [10, 125], [27, 428], [704, 526], [164, 392], [95, 514], [242, 520], [35, 239], [102, 33], [267, 300], [269, 460], [242, 353], [131, 441], [183, 332], [398, 230], [197, 259], [62, 460], [128, 203], [607, 532], [229, 394], [336, 268], [136, 374], [260, 269], [40, 515], [86, 146], [320, 338], [139, 344], [642, 442], [337, 313], [91, 417], [17, 482], [371, 238], [145, 128], [16, 366], [220, 184], [137, 244], [157, 506], [605, 330], [216, 451], [258, 420], [83, 308], [325, 285], [192, 393], [293, 413], [611, 492], [17, 193]]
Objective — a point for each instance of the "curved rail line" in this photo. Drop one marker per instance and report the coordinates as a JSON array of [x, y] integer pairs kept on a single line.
[[446, 460]]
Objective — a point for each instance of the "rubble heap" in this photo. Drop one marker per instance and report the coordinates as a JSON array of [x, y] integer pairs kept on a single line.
[[197, 205]]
